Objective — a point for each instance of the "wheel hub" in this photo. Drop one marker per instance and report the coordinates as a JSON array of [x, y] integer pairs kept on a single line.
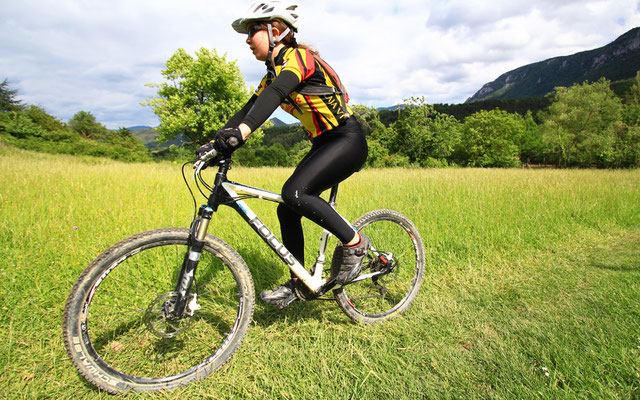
[[160, 317]]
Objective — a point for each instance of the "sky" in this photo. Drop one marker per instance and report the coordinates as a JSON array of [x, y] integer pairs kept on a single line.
[[88, 55]]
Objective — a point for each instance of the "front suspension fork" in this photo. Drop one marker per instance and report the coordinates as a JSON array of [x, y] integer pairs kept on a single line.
[[185, 281]]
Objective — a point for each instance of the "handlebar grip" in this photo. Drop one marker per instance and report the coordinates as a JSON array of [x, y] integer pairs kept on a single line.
[[233, 141], [204, 159]]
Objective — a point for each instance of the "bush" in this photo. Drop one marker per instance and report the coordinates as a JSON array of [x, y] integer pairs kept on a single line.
[[379, 157], [490, 139], [579, 127], [19, 125], [423, 135]]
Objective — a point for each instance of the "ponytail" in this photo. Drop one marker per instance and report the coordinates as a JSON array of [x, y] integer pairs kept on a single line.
[[290, 39]]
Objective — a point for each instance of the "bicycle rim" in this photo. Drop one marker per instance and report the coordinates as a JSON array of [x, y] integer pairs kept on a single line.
[[122, 325], [395, 238]]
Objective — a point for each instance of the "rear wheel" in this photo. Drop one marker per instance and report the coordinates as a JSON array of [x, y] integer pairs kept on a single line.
[[118, 332], [396, 261]]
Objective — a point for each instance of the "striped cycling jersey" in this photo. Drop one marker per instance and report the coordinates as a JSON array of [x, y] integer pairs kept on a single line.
[[317, 113]]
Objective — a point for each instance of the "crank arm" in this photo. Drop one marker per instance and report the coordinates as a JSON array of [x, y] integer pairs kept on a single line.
[[368, 276]]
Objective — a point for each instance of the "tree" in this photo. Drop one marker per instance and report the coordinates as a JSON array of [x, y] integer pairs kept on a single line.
[[19, 125], [86, 125], [424, 135], [379, 139], [29, 122], [125, 138], [274, 156], [632, 109], [39, 116], [581, 124], [627, 137], [635, 89], [532, 149], [249, 154], [372, 125], [199, 97], [490, 139], [8, 101], [126, 146]]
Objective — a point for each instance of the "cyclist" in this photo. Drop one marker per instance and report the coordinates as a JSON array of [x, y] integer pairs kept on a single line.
[[338, 149]]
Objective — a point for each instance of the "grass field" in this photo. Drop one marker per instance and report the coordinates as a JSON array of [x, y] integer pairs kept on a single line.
[[532, 288]]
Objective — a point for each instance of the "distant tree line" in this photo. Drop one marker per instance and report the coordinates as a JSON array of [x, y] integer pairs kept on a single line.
[[591, 125], [31, 127], [461, 111], [587, 125], [583, 126]]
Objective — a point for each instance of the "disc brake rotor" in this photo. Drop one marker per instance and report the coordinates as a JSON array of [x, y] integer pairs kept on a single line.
[[159, 323]]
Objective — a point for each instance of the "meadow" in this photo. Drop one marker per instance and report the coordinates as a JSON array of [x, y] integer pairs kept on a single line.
[[532, 288]]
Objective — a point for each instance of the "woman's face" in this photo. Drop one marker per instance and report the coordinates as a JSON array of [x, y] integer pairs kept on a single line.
[[258, 41]]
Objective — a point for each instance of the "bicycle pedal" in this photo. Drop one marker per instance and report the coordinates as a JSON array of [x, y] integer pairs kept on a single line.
[[285, 302]]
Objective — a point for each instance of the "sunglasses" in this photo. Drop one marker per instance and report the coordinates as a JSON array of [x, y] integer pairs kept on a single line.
[[252, 30]]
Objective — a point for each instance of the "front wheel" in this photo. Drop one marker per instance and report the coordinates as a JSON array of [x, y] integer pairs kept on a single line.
[[117, 329], [392, 272]]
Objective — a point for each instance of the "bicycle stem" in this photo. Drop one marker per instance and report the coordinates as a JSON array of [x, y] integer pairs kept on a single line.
[[223, 167]]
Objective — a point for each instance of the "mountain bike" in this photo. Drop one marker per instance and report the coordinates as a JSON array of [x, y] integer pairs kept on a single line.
[[165, 307]]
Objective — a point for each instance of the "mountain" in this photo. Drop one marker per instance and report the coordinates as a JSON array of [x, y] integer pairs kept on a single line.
[[148, 135], [277, 122], [392, 108], [133, 128], [615, 61]]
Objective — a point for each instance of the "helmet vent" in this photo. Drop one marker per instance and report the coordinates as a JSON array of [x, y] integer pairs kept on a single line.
[[268, 10]]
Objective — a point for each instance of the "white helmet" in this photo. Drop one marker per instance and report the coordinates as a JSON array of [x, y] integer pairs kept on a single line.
[[268, 11]]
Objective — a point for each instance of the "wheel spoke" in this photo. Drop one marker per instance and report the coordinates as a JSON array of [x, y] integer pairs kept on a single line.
[[123, 322], [381, 296]]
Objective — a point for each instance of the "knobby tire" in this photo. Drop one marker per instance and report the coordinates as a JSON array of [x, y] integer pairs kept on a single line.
[[114, 326], [386, 296]]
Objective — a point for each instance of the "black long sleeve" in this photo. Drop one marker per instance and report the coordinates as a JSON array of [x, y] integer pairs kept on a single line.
[[240, 115], [270, 98]]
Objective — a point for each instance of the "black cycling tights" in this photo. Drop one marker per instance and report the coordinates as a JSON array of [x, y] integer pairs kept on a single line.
[[334, 156]]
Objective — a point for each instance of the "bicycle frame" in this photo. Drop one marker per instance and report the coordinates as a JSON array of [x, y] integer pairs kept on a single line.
[[225, 192], [314, 281]]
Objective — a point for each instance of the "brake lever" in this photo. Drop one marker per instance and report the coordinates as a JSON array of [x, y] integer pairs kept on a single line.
[[202, 161]]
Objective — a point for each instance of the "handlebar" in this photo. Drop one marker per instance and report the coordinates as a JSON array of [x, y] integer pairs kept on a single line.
[[201, 162]]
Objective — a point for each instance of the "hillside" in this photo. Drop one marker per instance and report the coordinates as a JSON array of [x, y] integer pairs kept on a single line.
[[615, 61], [148, 135]]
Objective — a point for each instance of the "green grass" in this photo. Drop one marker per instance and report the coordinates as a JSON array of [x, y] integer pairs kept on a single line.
[[532, 288]]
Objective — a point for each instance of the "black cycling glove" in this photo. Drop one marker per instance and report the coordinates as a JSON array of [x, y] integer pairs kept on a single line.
[[204, 149], [228, 139]]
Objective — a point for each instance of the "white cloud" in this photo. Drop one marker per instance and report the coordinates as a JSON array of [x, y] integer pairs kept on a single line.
[[72, 55]]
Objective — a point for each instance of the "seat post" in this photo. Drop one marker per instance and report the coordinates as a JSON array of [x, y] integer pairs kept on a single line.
[[333, 195]]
